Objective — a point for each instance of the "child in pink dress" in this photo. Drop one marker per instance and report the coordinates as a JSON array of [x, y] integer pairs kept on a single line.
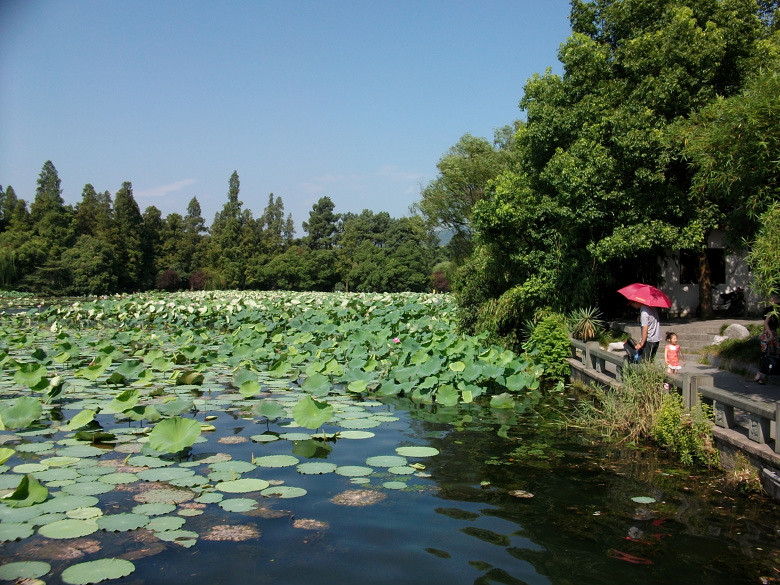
[[673, 354]]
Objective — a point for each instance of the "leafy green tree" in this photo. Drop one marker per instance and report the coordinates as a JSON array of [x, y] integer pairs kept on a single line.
[[194, 238], [322, 225], [90, 266], [151, 246], [273, 226], [227, 255], [464, 172], [591, 187], [129, 258]]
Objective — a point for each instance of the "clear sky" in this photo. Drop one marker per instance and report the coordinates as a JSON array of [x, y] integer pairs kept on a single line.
[[356, 100]]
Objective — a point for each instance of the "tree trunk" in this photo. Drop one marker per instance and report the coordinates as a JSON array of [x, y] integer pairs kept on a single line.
[[705, 287]]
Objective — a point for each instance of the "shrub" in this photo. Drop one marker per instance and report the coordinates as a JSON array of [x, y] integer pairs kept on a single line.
[[550, 342], [198, 280], [439, 282], [686, 434], [168, 279], [627, 411], [586, 323]]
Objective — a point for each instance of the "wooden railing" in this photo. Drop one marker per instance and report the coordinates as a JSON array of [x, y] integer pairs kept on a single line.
[[693, 387]]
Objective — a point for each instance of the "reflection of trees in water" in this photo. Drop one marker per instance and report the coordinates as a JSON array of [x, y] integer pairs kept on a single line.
[[581, 525]]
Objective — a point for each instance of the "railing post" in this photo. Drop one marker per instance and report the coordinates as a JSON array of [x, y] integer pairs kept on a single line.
[[697, 381], [593, 361], [777, 427]]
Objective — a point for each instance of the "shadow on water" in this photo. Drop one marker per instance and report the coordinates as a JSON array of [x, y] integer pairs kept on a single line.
[[509, 499]]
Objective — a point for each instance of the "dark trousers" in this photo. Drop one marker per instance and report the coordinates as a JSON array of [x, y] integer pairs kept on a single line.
[[647, 353], [768, 364]]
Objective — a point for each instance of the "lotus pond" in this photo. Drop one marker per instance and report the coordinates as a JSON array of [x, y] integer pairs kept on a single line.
[[291, 438]]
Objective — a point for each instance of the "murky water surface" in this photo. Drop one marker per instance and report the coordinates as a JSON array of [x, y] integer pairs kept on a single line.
[[501, 503]]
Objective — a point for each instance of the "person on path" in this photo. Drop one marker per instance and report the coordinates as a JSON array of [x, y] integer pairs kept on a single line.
[[651, 331], [770, 345], [673, 354]]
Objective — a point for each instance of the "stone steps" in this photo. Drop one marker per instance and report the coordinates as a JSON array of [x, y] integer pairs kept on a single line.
[[693, 335]]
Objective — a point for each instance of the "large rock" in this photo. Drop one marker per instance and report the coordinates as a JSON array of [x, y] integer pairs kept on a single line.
[[736, 331]]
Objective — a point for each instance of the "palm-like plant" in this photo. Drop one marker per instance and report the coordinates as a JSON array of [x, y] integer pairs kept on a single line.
[[586, 323]]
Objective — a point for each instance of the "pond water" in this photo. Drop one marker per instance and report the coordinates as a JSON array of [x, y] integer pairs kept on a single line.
[[505, 500]]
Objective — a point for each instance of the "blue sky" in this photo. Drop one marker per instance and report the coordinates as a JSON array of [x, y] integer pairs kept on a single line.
[[354, 100]]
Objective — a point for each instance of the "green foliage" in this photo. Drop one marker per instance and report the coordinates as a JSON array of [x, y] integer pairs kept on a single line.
[[744, 351], [764, 255], [625, 412], [550, 344], [586, 323], [688, 434]]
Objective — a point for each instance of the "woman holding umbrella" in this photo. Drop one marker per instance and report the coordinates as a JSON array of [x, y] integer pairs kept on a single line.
[[647, 298]]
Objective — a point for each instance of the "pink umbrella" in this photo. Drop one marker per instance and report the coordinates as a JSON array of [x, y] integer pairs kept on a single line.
[[646, 295]]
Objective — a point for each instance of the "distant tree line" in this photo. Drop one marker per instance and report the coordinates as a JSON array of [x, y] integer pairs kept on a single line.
[[106, 245]]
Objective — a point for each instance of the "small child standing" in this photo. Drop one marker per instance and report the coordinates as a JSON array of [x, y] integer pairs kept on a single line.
[[673, 354]]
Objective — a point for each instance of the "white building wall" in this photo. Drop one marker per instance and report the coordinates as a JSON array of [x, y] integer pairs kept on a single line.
[[685, 297]]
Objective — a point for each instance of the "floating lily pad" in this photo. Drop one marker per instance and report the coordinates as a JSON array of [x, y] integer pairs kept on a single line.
[[92, 488], [232, 466], [276, 461], [24, 570], [242, 486], [356, 434], [122, 522], [185, 538], [163, 523], [354, 471], [316, 468], [238, 505], [158, 509], [209, 498], [84, 513], [264, 438], [97, 571], [284, 492], [643, 500], [68, 528], [394, 485], [415, 451], [386, 461], [15, 531]]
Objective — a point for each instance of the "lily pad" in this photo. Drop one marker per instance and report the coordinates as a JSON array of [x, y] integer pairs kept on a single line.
[[24, 570], [68, 528], [22, 412], [276, 461], [643, 500], [417, 451], [242, 486], [316, 468], [97, 571], [123, 522], [284, 491]]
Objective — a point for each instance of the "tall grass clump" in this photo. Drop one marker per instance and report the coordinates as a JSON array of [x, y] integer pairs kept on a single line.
[[626, 412], [687, 434]]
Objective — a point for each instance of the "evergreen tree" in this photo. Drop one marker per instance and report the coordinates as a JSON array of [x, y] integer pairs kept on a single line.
[[322, 225], [128, 246], [226, 256], [151, 244]]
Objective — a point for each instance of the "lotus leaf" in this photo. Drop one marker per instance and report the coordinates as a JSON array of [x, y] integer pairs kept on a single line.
[[174, 434], [125, 401], [504, 400], [163, 523], [264, 438], [276, 461], [269, 409], [84, 513], [284, 492], [386, 461], [24, 570], [28, 493], [250, 388], [185, 538], [316, 468], [394, 485], [10, 531], [311, 413], [30, 374], [92, 488], [232, 466], [23, 468], [175, 406], [353, 471], [643, 500], [68, 528], [22, 412], [122, 522], [402, 470], [97, 571], [447, 395], [190, 378], [238, 505], [242, 486]]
